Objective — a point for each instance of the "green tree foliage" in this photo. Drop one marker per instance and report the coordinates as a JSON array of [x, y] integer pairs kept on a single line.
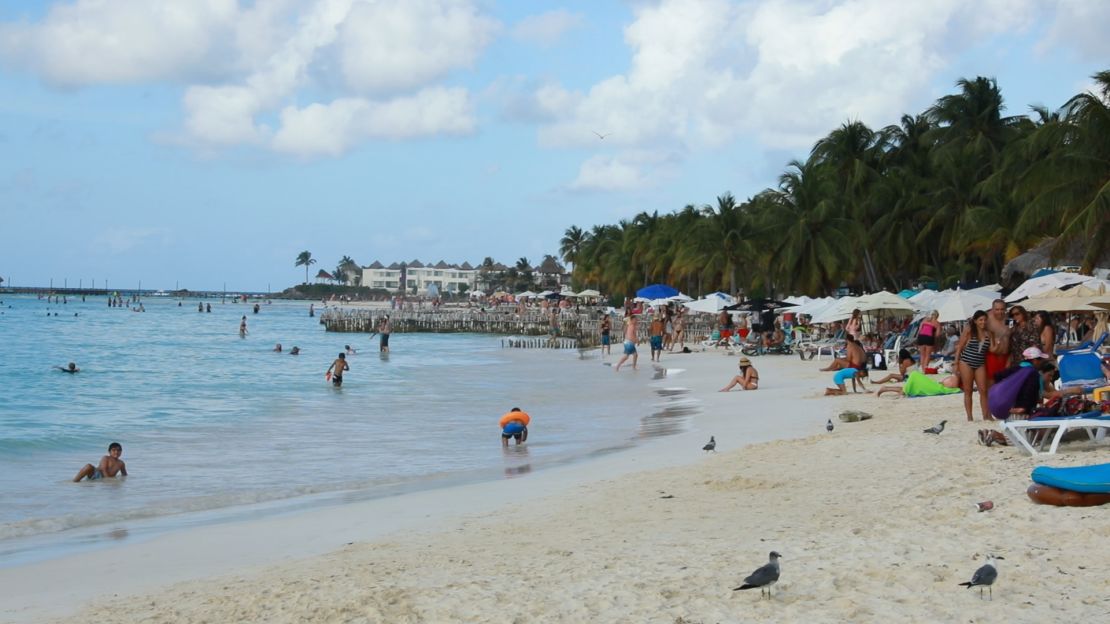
[[306, 260], [950, 194]]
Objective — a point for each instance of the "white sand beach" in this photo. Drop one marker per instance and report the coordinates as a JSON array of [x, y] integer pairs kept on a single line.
[[875, 522]]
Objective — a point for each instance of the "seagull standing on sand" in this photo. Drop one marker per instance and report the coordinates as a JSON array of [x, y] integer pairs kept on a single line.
[[985, 576], [937, 428], [711, 446], [763, 578], [829, 426]]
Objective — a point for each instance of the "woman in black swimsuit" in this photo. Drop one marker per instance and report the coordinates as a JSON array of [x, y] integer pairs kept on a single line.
[[971, 357]]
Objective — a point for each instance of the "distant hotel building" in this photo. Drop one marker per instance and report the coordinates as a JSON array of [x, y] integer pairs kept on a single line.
[[447, 278]]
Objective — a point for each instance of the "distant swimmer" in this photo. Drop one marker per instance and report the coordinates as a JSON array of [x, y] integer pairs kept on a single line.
[[335, 371], [243, 327], [110, 466], [514, 425], [277, 348], [295, 350], [200, 306], [207, 308], [349, 350], [71, 368], [312, 309]]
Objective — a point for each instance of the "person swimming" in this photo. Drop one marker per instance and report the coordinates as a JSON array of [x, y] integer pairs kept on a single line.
[[277, 348], [70, 368], [295, 351]]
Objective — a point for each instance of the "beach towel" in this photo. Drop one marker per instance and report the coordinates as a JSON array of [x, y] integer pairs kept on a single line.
[[1003, 395], [918, 385]]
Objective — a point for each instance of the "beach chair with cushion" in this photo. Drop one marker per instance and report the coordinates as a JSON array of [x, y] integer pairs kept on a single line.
[[1082, 369], [1031, 436], [1091, 346], [831, 345]]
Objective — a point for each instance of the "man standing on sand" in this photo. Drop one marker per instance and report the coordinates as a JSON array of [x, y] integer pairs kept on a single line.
[[656, 337], [385, 329], [110, 466], [998, 358], [629, 341]]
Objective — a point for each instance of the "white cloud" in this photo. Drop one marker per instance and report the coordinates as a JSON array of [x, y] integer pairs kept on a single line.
[[1081, 24], [334, 128], [96, 42], [704, 72], [386, 47], [546, 29], [628, 171]]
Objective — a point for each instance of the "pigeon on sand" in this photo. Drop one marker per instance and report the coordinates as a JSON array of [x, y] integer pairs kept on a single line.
[[711, 445], [937, 428]]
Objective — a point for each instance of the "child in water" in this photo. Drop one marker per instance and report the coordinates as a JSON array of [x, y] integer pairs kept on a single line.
[[110, 466]]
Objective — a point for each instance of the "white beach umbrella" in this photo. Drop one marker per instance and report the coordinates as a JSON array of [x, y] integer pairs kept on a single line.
[[814, 306], [589, 292], [709, 305], [680, 298], [526, 294], [727, 298], [924, 298], [839, 310], [959, 305], [1037, 285], [1079, 298], [884, 300]]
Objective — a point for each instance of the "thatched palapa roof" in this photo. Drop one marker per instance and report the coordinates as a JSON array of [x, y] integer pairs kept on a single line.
[[1042, 256]]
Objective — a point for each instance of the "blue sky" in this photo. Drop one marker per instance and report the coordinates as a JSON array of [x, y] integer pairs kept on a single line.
[[203, 142]]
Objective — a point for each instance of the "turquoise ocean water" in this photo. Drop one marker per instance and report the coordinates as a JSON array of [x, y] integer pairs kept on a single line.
[[214, 426]]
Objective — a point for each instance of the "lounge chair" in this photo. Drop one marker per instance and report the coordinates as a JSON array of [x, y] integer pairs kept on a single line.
[[1082, 369], [1024, 434]]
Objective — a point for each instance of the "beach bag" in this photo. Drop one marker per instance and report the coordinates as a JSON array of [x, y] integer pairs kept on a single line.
[[1003, 394]]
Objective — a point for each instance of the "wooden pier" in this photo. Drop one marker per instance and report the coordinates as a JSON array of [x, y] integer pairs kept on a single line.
[[530, 329]]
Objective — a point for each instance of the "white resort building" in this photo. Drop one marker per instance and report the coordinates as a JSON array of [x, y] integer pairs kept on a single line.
[[448, 278]]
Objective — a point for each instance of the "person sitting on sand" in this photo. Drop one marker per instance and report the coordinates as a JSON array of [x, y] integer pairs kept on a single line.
[[855, 356], [920, 385], [514, 425], [841, 377], [748, 379], [335, 371], [110, 466], [70, 368], [905, 363]]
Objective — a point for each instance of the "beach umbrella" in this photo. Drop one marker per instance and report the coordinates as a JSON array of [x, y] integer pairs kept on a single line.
[[526, 294], [838, 310], [545, 293], [814, 306], [758, 305], [708, 305], [589, 292], [958, 305], [680, 298], [884, 300], [1037, 285], [656, 291], [1079, 298]]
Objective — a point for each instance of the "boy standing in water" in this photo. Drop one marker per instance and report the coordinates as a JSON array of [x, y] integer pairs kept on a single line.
[[629, 341], [110, 466], [336, 370]]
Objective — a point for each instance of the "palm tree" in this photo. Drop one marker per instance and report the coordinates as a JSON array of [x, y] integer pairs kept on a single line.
[[346, 265], [571, 244], [306, 260]]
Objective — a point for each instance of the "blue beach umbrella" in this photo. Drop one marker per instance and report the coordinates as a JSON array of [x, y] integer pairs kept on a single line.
[[656, 291]]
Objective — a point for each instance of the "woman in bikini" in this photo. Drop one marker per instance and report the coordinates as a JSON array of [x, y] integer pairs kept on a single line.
[[748, 379], [971, 357], [1042, 324]]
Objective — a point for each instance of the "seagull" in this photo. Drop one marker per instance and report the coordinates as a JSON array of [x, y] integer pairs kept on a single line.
[[600, 135], [829, 426], [985, 576], [711, 446], [763, 578], [936, 429]]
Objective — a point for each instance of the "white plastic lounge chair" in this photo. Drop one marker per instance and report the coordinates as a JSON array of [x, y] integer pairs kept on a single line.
[[1024, 434]]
